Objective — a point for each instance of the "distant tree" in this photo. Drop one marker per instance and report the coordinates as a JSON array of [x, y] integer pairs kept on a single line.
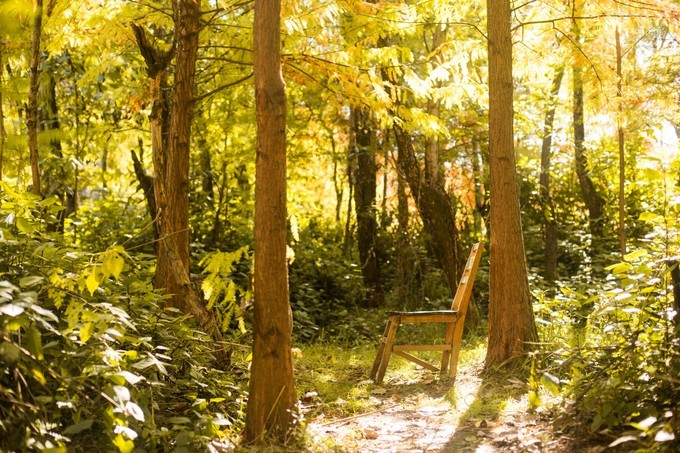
[[271, 399], [511, 319], [32, 120], [365, 170]]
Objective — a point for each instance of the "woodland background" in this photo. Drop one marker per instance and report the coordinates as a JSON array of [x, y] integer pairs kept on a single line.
[[388, 178]]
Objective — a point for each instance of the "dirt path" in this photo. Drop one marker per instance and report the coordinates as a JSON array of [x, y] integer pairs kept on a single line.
[[430, 414]]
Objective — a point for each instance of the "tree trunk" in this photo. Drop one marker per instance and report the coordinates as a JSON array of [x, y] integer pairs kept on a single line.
[[435, 210], [593, 201], [549, 220], [512, 327], [146, 183], [32, 117], [405, 255], [364, 205], [622, 147], [271, 399], [2, 116], [170, 140]]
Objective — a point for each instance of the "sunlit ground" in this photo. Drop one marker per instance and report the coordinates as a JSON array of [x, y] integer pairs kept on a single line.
[[414, 409]]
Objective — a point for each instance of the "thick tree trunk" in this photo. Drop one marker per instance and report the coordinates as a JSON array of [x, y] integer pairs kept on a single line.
[[271, 399], [549, 220], [32, 116], [593, 201], [364, 205], [435, 210], [512, 327], [170, 140]]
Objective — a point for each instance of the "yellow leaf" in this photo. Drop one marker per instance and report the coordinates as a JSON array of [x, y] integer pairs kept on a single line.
[[123, 444], [113, 264], [37, 374], [86, 331], [91, 282]]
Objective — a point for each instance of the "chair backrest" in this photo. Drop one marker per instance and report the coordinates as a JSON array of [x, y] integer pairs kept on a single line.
[[462, 297]]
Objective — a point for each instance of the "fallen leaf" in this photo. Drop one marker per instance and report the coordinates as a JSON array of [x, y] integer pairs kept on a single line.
[[370, 434], [379, 391]]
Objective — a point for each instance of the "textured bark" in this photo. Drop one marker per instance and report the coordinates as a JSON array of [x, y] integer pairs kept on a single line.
[[435, 210], [170, 141], [549, 220], [146, 183], [512, 327], [364, 205], [593, 201], [32, 116], [271, 399]]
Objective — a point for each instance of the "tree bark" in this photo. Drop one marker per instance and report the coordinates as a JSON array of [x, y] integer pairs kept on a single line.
[[32, 117], [435, 210], [146, 183], [512, 327], [549, 220], [593, 201], [170, 140], [364, 205], [271, 399]]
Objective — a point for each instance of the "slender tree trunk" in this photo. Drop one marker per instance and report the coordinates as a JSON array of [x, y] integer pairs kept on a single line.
[[347, 240], [271, 399], [364, 204], [512, 327], [478, 172], [404, 251], [2, 116], [549, 220], [622, 147], [146, 183], [32, 120], [593, 201]]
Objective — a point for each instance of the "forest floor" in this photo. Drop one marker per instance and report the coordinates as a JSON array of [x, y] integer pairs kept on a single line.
[[419, 411]]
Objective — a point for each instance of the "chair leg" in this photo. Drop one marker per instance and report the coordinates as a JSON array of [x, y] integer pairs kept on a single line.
[[389, 342], [381, 349], [455, 346], [446, 355]]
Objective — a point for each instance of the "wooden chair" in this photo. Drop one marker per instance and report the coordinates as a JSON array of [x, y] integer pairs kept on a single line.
[[454, 319]]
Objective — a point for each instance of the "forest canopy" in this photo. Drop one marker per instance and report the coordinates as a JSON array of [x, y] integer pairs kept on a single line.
[[191, 191]]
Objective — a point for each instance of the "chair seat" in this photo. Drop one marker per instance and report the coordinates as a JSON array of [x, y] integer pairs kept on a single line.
[[422, 313]]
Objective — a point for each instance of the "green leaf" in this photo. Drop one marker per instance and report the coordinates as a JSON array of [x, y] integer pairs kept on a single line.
[[534, 400], [652, 174], [179, 420], [618, 268], [29, 281], [35, 343], [79, 427], [550, 382], [24, 225]]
